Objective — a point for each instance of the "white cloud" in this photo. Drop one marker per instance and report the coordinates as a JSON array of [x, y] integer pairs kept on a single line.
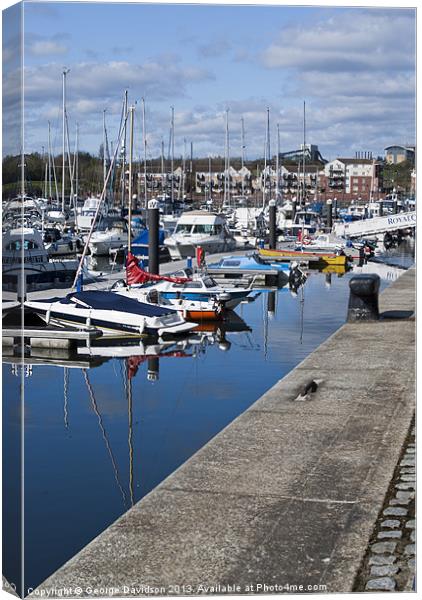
[[349, 41], [46, 47]]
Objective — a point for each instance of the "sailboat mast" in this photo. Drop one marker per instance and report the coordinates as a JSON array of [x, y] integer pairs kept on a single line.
[[209, 179], [303, 155], [65, 72], [242, 159], [172, 156], [104, 147], [269, 152], [163, 186], [49, 163], [129, 242], [277, 164], [144, 136], [123, 174], [226, 200]]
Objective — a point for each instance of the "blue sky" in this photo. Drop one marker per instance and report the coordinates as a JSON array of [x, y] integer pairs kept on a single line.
[[354, 67]]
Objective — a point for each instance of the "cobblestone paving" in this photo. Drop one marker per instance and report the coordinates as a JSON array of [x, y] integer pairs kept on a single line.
[[389, 563]]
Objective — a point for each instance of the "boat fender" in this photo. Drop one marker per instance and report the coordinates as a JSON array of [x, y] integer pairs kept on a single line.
[[78, 244], [71, 246], [142, 327], [48, 315], [88, 320]]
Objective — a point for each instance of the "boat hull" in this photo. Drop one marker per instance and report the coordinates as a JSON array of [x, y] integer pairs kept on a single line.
[[323, 257], [183, 250]]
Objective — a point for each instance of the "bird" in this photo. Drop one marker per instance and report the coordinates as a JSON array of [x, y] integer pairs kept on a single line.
[[309, 388]]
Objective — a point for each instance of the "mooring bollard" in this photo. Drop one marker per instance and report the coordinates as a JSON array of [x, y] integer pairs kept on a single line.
[[329, 214], [363, 299], [273, 227], [153, 240]]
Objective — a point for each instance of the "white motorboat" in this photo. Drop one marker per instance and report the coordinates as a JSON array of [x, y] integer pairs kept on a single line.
[[112, 235], [88, 211], [24, 246], [200, 228], [111, 313]]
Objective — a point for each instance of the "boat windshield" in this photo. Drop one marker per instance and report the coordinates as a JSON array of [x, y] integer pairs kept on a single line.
[[209, 229], [183, 228], [209, 282]]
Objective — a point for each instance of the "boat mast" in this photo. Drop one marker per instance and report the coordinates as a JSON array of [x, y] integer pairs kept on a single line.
[[242, 159], [53, 165], [182, 194], [303, 155], [209, 179], [144, 136], [269, 152], [104, 147], [65, 72], [277, 165], [172, 157], [76, 175], [226, 200], [264, 175], [129, 242], [163, 186], [123, 174]]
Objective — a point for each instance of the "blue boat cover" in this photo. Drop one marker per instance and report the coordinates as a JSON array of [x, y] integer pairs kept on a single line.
[[111, 301], [143, 238]]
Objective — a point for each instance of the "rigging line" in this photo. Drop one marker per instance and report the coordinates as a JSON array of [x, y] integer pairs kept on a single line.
[[104, 435], [65, 394]]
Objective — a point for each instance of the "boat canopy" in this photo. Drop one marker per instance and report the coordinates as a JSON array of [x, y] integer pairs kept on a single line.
[[143, 238], [101, 300]]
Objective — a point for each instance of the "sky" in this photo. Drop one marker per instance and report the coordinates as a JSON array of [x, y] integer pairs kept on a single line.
[[354, 68]]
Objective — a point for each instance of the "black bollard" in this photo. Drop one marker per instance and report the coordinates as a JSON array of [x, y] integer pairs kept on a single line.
[[153, 230], [335, 208], [381, 208], [329, 214], [363, 300], [273, 225], [153, 369]]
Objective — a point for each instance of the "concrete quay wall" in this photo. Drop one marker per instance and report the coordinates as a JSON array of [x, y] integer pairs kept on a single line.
[[287, 494]]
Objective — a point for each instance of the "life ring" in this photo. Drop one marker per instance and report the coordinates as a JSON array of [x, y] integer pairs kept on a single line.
[[306, 241]]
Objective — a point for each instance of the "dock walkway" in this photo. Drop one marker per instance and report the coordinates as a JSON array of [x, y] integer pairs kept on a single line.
[[287, 494]]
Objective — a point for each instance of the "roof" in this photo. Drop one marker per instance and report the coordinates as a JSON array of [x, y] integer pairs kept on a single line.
[[356, 161]]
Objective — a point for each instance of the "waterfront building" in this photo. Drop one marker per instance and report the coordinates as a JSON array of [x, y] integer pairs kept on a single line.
[[397, 154]]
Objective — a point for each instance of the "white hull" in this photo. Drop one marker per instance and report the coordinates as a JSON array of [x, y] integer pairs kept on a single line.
[[180, 250]]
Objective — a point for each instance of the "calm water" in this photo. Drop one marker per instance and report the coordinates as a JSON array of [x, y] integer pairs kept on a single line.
[[104, 431]]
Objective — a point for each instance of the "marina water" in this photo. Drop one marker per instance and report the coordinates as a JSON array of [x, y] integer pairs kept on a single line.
[[98, 439]]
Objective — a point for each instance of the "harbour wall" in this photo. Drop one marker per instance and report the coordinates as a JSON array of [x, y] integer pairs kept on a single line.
[[285, 498]]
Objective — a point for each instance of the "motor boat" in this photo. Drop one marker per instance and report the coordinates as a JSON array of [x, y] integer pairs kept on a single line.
[[112, 235], [184, 284], [111, 313], [88, 212], [203, 229], [24, 246], [191, 310], [58, 243], [248, 263]]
